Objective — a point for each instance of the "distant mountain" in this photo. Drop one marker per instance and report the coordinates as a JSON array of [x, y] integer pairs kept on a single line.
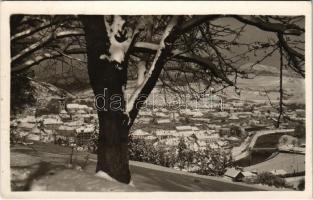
[[263, 70]]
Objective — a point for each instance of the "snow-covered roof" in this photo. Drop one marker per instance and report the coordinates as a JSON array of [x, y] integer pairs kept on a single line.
[[145, 113], [161, 114], [26, 125], [165, 132], [140, 132], [86, 129], [197, 114], [191, 113], [221, 114], [184, 128], [63, 112], [163, 121], [185, 133], [232, 172], [278, 172], [248, 174], [232, 138], [35, 130], [72, 105], [30, 119], [66, 128], [233, 117], [65, 116], [150, 137], [74, 123], [77, 106], [81, 112], [52, 121]]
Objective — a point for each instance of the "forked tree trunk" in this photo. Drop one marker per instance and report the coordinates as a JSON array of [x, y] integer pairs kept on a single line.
[[108, 78], [107, 81]]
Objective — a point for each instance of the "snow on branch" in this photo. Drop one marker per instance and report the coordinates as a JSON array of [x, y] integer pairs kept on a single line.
[[34, 61], [31, 49], [45, 56], [141, 69], [34, 47], [146, 46], [31, 31], [159, 55], [120, 39]]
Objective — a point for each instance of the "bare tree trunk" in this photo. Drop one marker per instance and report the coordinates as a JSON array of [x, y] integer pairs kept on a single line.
[[280, 87], [107, 80]]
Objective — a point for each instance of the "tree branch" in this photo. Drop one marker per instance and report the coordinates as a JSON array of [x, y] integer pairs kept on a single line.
[[34, 47], [196, 21], [31, 31], [141, 93], [290, 29], [34, 61], [45, 56]]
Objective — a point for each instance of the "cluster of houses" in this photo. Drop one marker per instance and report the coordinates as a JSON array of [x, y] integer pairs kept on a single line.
[[75, 124], [213, 127], [195, 139]]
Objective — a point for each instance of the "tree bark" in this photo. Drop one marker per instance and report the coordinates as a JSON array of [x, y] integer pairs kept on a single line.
[[107, 81]]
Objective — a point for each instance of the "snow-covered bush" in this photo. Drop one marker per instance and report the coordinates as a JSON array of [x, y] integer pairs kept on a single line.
[[270, 179], [205, 162], [212, 162]]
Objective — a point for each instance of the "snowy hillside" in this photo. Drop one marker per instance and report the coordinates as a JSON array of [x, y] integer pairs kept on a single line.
[[47, 91], [265, 70]]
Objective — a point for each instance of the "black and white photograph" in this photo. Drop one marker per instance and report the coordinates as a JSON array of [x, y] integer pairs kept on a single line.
[[142, 102]]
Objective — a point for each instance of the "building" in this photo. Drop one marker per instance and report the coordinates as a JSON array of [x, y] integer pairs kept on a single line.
[[64, 116], [144, 120], [165, 134], [233, 174], [150, 138], [52, 123], [184, 128], [208, 138], [163, 121], [225, 131], [140, 134], [248, 176], [84, 134], [25, 126], [279, 172]]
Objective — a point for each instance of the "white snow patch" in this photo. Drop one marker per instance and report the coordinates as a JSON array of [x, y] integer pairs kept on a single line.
[[117, 49], [141, 69], [106, 176], [131, 183]]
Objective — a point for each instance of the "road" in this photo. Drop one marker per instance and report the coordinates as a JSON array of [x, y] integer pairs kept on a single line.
[[146, 177]]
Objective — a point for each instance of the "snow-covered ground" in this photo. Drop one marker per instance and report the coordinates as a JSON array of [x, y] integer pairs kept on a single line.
[[43, 167]]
